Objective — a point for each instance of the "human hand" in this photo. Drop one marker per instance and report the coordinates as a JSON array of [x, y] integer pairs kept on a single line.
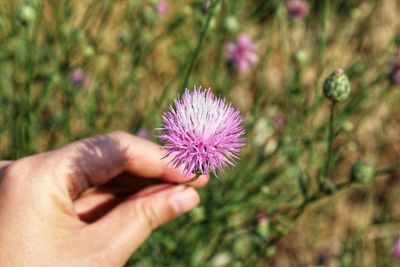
[[90, 203]]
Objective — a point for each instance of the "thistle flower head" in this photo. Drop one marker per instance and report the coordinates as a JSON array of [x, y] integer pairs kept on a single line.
[[324, 255], [202, 133], [162, 7], [206, 5], [396, 249], [297, 9], [262, 218], [78, 78], [241, 53], [337, 86]]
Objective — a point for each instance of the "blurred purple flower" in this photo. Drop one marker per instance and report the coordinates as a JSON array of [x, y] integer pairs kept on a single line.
[[395, 73], [162, 7], [297, 9], [202, 133], [278, 121], [78, 78], [242, 53], [324, 256], [206, 5], [144, 133], [262, 218], [396, 249]]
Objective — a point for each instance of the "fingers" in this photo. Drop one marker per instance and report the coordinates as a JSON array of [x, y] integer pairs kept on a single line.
[[130, 223], [93, 206], [3, 165], [96, 160], [96, 202]]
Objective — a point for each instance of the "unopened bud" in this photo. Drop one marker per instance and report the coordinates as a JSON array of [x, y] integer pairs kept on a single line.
[[362, 172], [337, 86]]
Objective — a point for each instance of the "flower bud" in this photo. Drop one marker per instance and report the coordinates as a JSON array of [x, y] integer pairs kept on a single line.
[[263, 227], [362, 172], [188, 10], [88, 51], [337, 86], [347, 126], [232, 24], [27, 14], [301, 56]]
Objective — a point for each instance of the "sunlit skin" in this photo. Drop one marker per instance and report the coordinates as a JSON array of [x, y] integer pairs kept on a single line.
[[90, 203]]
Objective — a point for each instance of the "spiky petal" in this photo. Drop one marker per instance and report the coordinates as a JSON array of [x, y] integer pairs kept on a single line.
[[202, 133]]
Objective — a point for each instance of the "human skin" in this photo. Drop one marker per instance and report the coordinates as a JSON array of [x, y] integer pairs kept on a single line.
[[90, 203]]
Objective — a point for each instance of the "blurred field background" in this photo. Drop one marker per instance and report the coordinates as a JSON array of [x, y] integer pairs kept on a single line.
[[71, 69]]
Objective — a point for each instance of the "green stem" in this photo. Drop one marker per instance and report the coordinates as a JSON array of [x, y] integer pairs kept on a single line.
[[389, 170], [192, 180], [198, 47], [323, 173], [324, 34], [330, 139], [299, 210], [24, 125]]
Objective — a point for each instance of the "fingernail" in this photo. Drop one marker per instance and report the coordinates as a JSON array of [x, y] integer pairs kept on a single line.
[[185, 200]]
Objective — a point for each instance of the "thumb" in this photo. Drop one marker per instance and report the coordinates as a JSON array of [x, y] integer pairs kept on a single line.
[[129, 224]]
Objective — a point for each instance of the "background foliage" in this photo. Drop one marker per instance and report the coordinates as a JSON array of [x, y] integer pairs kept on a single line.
[[71, 69]]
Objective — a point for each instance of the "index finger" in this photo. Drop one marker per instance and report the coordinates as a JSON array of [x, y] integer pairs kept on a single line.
[[3, 165], [96, 160]]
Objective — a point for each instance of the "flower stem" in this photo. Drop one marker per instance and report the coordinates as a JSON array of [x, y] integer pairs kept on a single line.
[[324, 33], [196, 52], [192, 180], [330, 139], [389, 170]]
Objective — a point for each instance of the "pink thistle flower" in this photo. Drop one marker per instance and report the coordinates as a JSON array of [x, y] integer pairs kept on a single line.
[[279, 121], [242, 53], [206, 5], [297, 9], [396, 249], [162, 7], [202, 133], [262, 219], [78, 78], [324, 256], [395, 72]]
